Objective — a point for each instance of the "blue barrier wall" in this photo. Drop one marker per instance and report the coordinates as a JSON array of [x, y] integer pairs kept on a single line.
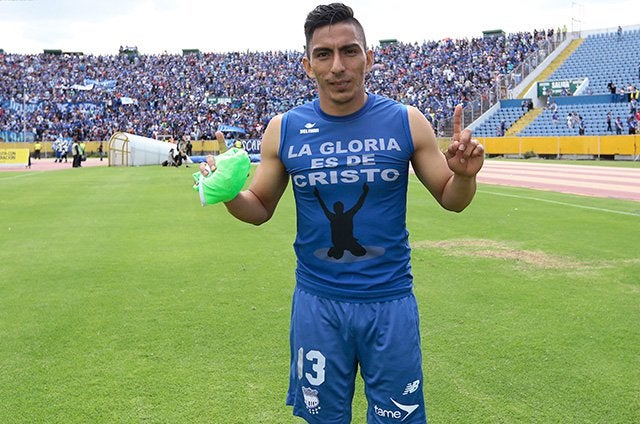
[[573, 100]]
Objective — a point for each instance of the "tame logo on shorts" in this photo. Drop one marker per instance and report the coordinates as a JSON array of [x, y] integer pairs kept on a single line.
[[309, 128], [395, 414], [311, 400]]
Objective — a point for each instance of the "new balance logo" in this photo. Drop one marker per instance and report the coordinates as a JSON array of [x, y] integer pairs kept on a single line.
[[411, 387]]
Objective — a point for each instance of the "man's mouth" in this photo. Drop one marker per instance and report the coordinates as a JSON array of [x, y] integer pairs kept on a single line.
[[340, 84]]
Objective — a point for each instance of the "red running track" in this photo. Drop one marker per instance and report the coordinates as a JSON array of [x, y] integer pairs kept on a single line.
[[598, 181], [48, 164]]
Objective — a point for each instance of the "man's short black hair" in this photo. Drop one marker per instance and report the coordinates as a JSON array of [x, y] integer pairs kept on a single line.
[[330, 14]]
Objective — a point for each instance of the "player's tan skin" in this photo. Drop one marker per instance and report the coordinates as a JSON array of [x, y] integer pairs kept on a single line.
[[338, 60], [211, 161]]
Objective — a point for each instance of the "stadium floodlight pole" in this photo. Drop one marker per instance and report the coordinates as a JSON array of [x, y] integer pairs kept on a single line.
[[579, 11]]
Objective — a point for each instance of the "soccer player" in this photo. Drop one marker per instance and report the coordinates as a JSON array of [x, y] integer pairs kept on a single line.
[[353, 304]]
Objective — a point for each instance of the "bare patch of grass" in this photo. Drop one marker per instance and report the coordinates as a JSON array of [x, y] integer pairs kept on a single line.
[[501, 250]]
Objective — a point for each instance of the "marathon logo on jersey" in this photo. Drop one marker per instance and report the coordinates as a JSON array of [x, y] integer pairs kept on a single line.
[[311, 400], [401, 412], [309, 128]]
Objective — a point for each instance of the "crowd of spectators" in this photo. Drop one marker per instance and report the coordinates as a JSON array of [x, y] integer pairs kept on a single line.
[[89, 97]]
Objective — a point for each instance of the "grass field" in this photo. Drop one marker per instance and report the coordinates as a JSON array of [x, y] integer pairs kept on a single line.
[[122, 300]]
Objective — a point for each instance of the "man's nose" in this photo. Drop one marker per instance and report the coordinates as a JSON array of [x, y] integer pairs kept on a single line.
[[338, 64]]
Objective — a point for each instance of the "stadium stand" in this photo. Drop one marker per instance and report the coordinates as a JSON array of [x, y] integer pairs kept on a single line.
[[611, 64], [594, 115], [47, 97], [51, 96], [499, 122], [604, 58]]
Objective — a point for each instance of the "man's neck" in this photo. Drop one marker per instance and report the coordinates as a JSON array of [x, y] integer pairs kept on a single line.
[[345, 109]]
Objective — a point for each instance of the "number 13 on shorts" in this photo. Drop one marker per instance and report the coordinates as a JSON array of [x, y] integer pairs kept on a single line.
[[318, 363]]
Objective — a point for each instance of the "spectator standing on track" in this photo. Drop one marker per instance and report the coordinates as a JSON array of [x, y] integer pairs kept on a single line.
[[63, 147], [56, 151], [36, 150], [76, 151]]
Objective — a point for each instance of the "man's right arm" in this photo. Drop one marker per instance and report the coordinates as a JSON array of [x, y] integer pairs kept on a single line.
[[257, 204]]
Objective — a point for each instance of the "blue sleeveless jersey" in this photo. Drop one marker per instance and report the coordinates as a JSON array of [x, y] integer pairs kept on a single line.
[[349, 177]]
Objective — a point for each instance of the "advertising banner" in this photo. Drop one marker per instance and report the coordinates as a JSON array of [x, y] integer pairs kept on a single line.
[[14, 157], [558, 88]]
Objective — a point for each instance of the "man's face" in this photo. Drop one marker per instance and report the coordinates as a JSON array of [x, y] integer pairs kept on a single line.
[[338, 61]]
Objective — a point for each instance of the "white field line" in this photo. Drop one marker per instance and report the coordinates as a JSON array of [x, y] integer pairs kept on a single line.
[[555, 202]]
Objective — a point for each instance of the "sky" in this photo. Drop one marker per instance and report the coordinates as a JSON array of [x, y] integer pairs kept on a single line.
[[157, 26]]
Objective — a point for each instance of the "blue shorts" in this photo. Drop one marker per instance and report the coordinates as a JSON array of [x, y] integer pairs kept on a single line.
[[330, 339]]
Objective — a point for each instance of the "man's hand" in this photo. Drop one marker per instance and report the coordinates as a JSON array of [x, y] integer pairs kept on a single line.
[[465, 155]]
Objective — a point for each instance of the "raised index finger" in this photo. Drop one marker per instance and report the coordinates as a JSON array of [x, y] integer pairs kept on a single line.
[[457, 123]]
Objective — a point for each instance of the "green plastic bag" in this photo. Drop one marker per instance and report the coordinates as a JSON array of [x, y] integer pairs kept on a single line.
[[232, 170]]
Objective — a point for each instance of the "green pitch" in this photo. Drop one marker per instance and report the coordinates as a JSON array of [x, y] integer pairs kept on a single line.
[[123, 300]]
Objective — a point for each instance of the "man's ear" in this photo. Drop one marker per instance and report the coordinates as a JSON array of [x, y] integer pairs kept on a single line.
[[306, 64], [369, 60]]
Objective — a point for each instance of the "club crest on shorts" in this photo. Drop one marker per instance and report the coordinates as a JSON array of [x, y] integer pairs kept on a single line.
[[311, 400]]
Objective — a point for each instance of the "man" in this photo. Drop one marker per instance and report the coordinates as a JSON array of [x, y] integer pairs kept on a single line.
[[619, 126], [64, 149], [632, 124], [76, 150], [37, 147], [353, 304], [582, 127]]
